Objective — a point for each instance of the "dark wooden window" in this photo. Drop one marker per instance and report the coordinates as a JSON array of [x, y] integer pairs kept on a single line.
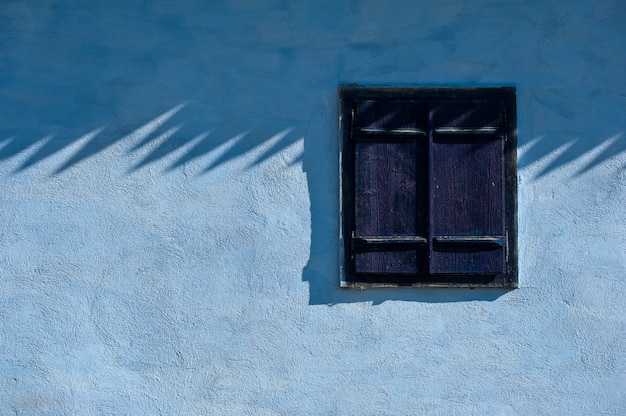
[[428, 179]]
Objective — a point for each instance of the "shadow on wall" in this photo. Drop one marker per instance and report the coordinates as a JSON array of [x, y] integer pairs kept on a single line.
[[320, 163], [323, 267], [564, 149], [161, 133], [166, 138]]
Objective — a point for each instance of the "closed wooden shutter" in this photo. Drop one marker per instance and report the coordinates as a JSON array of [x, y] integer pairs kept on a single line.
[[424, 181], [390, 146], [467, 188]]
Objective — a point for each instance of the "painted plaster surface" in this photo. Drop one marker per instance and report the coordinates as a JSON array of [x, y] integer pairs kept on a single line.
[[169, 211]]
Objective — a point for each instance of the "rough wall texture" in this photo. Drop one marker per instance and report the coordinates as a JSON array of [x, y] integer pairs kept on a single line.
[[169, 187]]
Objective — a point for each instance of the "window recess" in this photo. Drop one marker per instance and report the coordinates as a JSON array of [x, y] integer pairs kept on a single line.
[[428, 187]]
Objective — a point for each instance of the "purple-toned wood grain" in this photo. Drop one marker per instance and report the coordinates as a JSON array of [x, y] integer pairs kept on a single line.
[[390, 185], [467, 187], [467, 259], [390, 200], [467, 191], [405, 262], [386, 194]]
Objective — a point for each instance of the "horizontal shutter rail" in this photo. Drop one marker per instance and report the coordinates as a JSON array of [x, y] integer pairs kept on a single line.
[[467, 131], [392, 132], [366, 241], [499, 241]]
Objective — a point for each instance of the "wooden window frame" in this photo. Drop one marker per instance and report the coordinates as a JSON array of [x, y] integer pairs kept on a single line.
[[348, 97]]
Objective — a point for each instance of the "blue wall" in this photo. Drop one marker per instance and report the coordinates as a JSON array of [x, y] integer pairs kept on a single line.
[[169, 221]]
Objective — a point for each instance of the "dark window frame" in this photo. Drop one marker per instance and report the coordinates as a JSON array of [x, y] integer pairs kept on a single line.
[[349, 96]]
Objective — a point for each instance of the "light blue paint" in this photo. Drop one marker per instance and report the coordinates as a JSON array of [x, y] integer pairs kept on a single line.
[[168, 231]]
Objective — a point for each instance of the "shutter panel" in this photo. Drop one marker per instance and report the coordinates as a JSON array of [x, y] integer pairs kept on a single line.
[[390, 155], [467, 216], [428, 187], [385, 185]]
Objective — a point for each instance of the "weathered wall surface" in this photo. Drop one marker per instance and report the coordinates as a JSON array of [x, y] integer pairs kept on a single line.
[[168, 221]]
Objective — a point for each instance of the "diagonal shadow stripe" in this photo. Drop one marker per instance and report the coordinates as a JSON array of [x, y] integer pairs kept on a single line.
[[224, 148], [14, 146], [53, 146], [168, 144], [243, 143], [142, 134], [615, 146], [281, 141], [203, 144], [94, 146]]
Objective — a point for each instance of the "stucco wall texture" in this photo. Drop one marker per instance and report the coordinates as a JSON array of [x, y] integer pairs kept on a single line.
[[169, 211]]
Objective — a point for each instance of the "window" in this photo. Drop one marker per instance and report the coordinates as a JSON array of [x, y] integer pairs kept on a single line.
[[428, 187]]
